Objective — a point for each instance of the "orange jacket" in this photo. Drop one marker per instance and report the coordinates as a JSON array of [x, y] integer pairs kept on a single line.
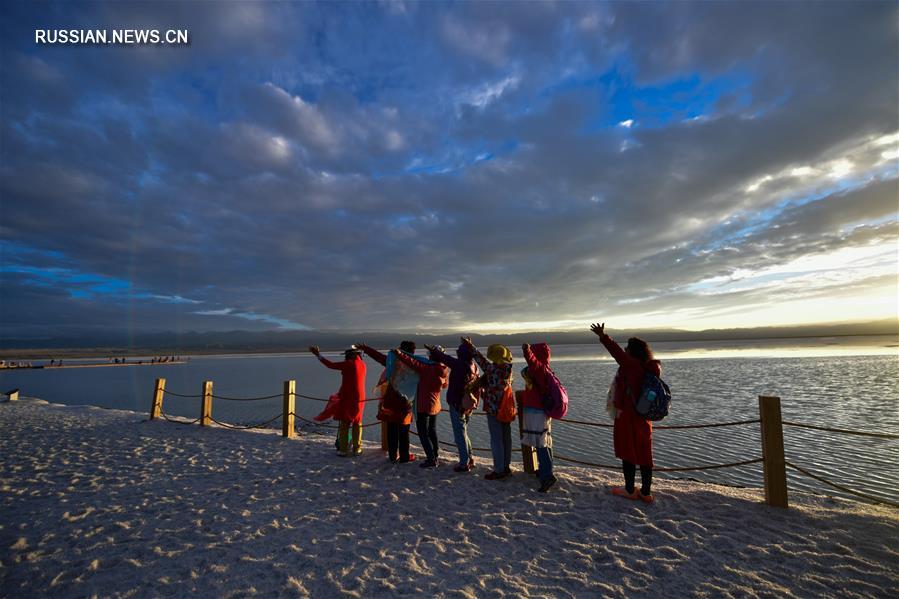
[[432, 379]]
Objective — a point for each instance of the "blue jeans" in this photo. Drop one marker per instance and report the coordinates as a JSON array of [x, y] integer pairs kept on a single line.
[[500, 443], [544, 463], [460, 432], [427, 435]]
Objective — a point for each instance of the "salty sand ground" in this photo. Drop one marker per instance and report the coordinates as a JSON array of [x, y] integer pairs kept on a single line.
[[103, 502]]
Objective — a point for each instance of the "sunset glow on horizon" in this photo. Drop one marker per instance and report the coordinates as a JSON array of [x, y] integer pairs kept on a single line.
[[449, 167]]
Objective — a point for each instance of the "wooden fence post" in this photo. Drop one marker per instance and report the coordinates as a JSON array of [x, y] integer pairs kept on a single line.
[[290, 388], [773, 451], [528, 453], [156, 407], [206, 408]]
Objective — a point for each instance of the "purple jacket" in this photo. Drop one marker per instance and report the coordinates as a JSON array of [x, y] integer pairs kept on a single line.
[[463, 370]]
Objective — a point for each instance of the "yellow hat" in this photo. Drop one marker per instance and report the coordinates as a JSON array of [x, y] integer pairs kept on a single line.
[[498, 354]]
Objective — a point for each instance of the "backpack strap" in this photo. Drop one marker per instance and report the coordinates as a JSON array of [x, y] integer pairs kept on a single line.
[[630, 393]]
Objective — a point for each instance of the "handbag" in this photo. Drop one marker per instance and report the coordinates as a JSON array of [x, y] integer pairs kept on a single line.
[[507, 411]]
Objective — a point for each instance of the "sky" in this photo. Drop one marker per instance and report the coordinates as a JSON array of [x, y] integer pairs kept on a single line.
[[449, 166]]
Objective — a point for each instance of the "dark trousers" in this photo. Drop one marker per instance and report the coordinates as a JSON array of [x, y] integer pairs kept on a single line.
[[398, 441], [427, 435], [630, 474]]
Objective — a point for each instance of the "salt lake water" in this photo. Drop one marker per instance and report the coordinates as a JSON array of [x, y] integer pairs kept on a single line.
[[848, 383]]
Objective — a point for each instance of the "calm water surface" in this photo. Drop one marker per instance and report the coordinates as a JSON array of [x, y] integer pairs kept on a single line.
[[823, 382]]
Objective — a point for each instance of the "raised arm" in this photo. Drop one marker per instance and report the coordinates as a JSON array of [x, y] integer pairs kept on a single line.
[[610, 344], [411, 362], [529, 356], [536, 368], [373, 354], [483, 362], [332, 365], [442, 357]]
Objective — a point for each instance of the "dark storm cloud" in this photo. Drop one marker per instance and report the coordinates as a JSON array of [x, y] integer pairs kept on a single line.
[[400, 165]]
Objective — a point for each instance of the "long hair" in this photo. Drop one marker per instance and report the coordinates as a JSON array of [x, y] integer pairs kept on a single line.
[[639, 349]]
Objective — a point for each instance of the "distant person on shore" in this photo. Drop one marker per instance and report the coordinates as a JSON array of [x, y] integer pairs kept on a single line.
[[463, 371], [632, 433], [347, 405], [496, 382], [536, 425], [395, 410], [433, 377]]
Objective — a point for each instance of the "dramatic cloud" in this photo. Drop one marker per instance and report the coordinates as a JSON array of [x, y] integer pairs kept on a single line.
[[400, 165]]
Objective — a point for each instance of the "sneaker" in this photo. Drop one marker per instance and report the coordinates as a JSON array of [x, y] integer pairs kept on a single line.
[[462, 467], [412, 458], [357, 451], [645, 498], [547, 484], [428, 464], [393, 460], [493, 476], [504, 474], [622, 492], [470, 463]]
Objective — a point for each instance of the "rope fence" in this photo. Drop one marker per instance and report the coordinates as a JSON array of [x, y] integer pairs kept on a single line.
[[167, 392], [684, 469], [453, 445], [842, 430], [312, 398], [770, 421], [841, 487], [246, 427], [318, 424], [246, 398], [715, 425]]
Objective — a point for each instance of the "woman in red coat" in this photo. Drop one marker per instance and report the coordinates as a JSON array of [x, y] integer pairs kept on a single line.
[[632, 433], [347, 404]]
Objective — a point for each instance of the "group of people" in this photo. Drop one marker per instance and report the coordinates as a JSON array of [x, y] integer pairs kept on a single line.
[[471, 378]]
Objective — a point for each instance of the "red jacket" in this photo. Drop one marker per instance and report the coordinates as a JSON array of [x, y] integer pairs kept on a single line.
[[529, 398], [351, 396], [537, 357], [394, 407], [432, 378], [632, 433]]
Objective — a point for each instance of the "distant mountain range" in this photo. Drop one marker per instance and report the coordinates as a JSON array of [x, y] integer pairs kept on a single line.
[[171, 343]]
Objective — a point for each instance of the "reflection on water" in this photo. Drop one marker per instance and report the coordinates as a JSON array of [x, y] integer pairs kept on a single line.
[[857, 392]]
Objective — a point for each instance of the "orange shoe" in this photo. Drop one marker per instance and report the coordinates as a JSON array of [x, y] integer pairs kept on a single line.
[[645, 498], [622, 492]]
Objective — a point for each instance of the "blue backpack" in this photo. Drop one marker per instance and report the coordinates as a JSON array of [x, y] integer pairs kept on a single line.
[[555, 398], [654, 399]]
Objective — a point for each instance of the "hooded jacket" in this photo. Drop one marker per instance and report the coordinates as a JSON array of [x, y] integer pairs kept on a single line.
[[463, 370], [537, 357]]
